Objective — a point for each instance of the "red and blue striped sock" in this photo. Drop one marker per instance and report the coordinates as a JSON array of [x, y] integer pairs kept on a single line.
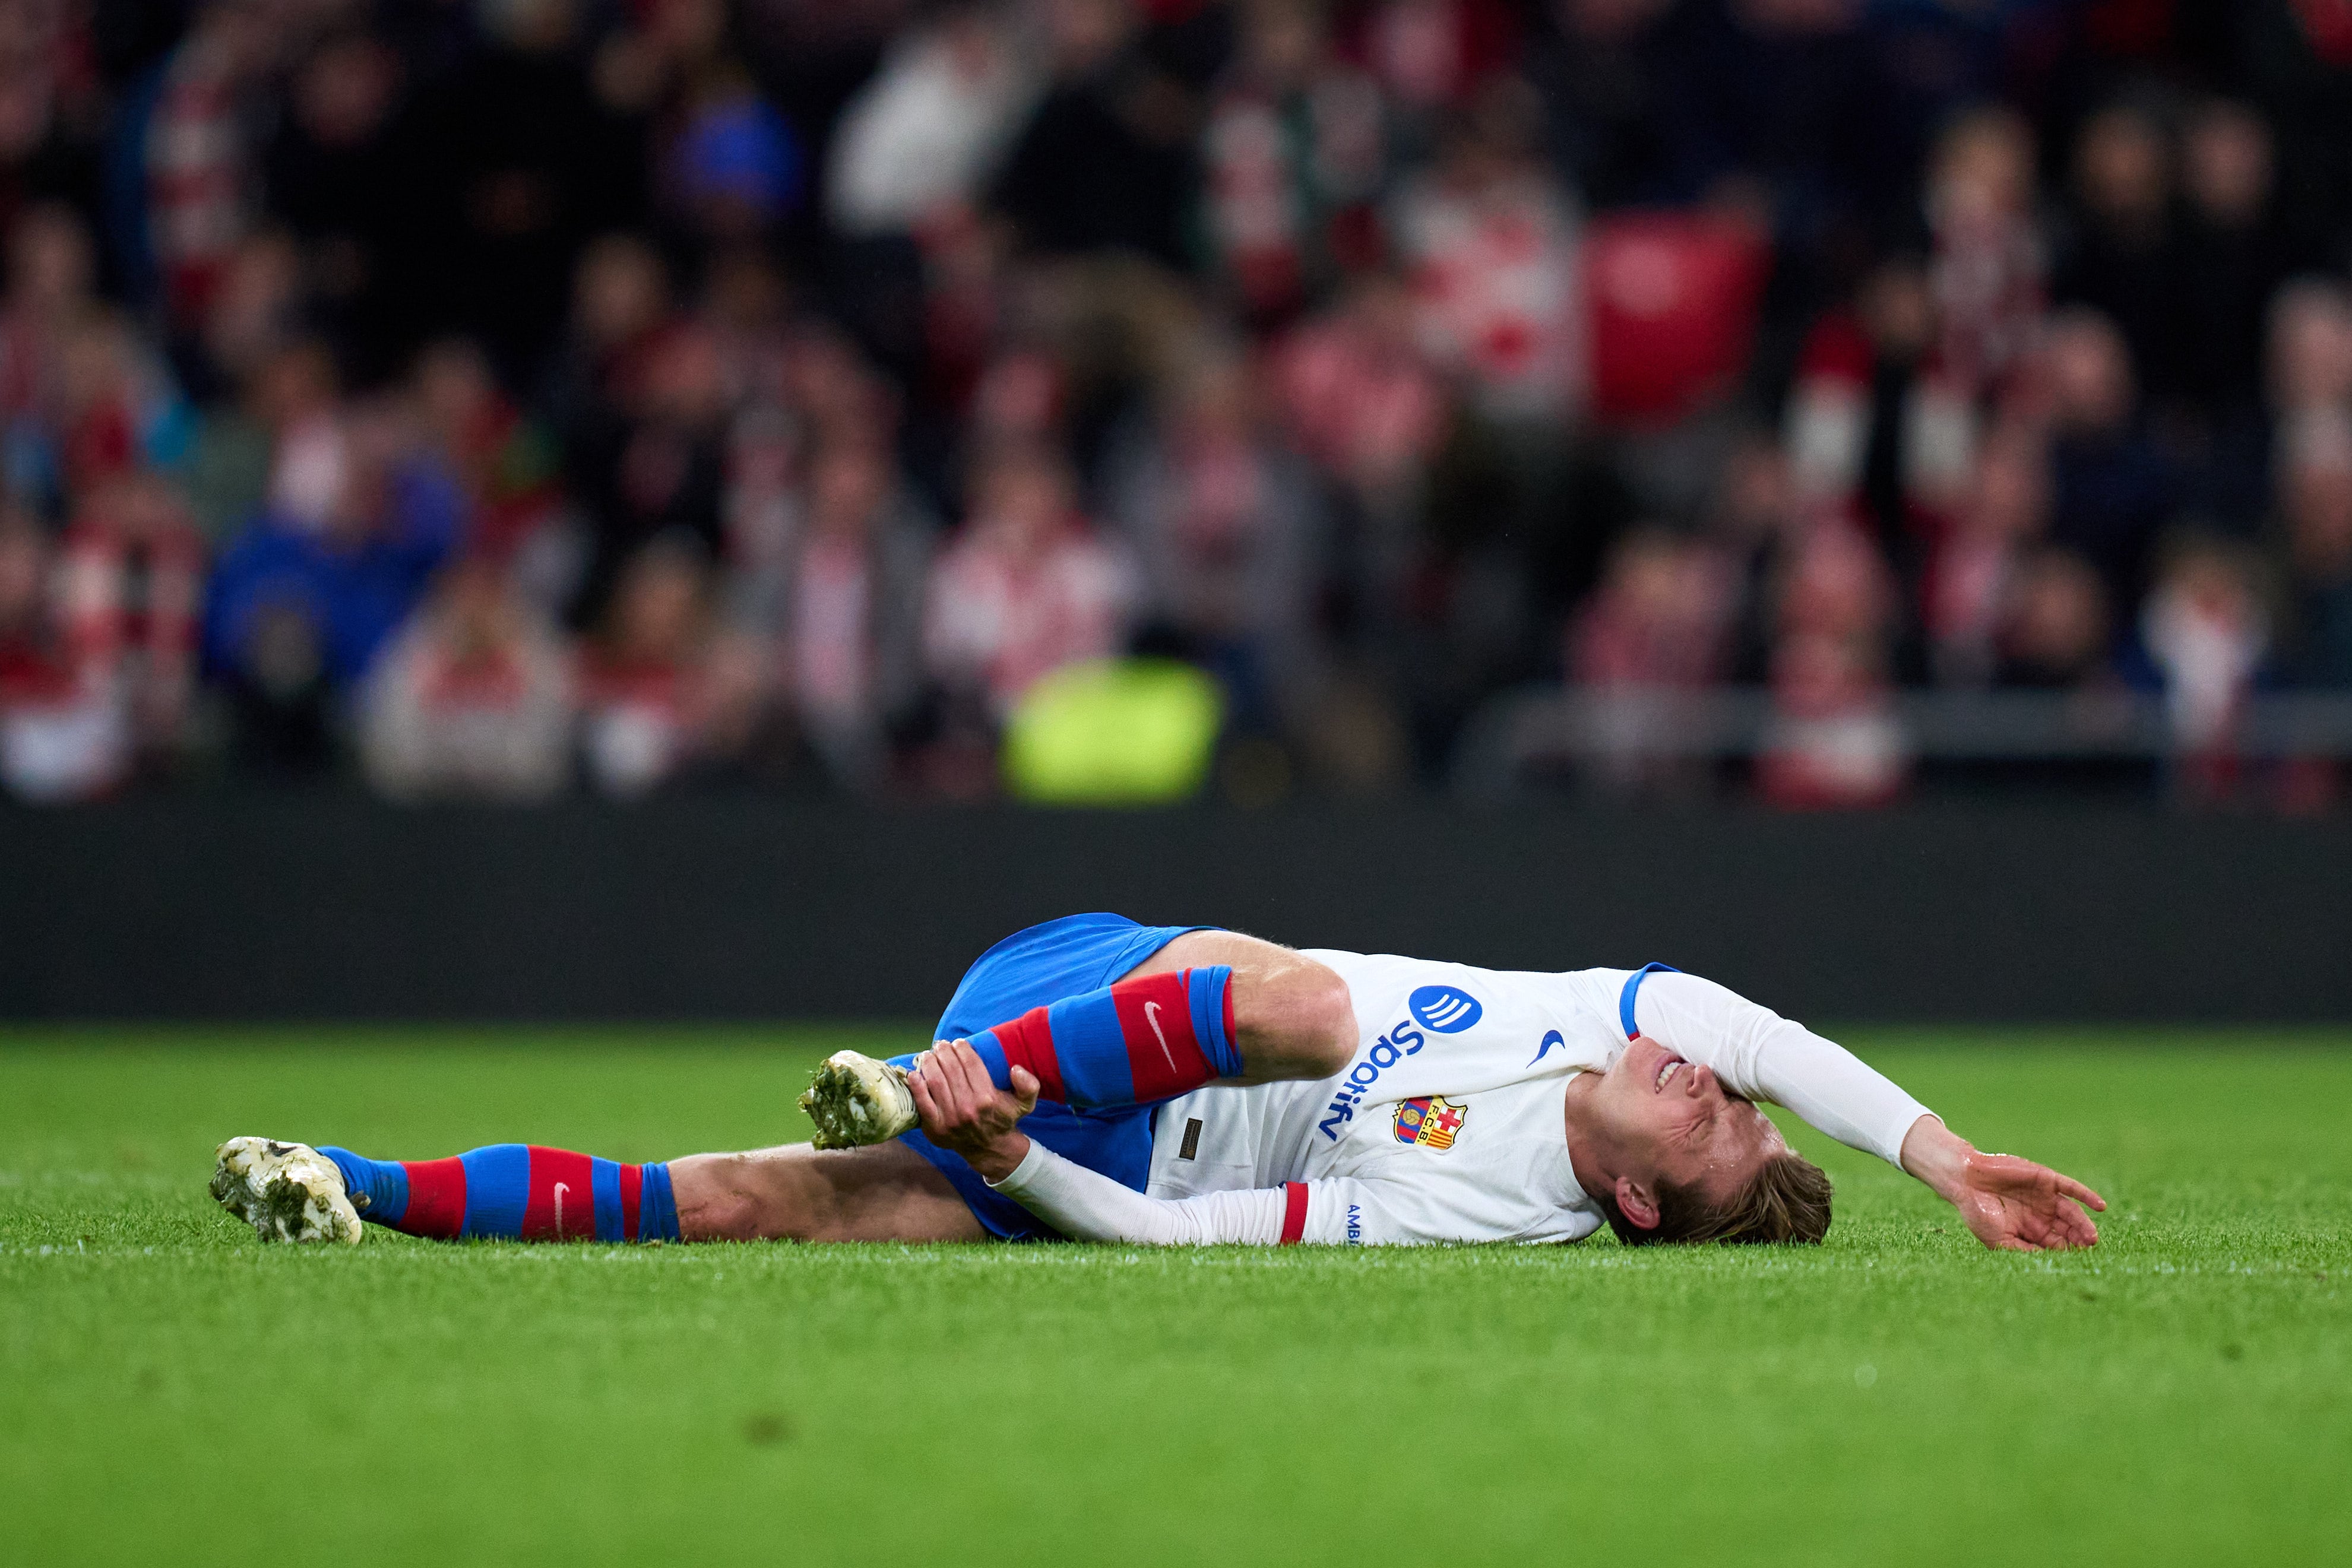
[[515, 1190], [1128, 1044]]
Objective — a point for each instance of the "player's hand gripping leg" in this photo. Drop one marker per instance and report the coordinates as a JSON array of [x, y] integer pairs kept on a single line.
[[963, 1110]]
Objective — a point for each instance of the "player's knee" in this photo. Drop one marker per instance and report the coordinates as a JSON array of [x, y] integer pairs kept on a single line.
[[731, 1198], [1309, 1019]]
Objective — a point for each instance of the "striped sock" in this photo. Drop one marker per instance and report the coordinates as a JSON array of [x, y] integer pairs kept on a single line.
[[515, 1190], [1128, 1044]]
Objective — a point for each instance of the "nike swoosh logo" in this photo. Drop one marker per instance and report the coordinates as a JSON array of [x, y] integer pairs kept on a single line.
[[560, 1189], [1550, 1038], [1151, 1017]]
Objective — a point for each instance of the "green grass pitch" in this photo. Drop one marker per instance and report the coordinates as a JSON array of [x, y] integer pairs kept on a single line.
[[170, 1392]]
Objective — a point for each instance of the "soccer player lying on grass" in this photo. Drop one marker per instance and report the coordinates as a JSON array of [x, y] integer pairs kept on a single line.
[[1109, 1082]]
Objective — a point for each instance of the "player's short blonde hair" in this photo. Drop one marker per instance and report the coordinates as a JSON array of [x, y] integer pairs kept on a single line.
[[1788, 1199]]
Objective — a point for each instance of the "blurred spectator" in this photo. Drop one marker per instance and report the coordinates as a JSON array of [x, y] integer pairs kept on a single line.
[[1971, 571], [62, 732], [505, 464], [620, 303], [255, 309], [189, 152], [652, 460], [310, 447], [1225, 528], [746, 304], [2205, 635], [645, 67], [48, 303], [120, 410], [2234, 255], [133, 577], [1989, 262], [508, 166], [2310, 347], [1834, 741], [2111, 490], [329, 169], [2123, 256], [44, 68], [1876, 427], [923, 137], [1293, 157], [911, 158], [1430, 56], [1359, 397], [1658, 619], [847, 606], [472, 700], [1367, 407], [1025, 588], [2055, 632], [1757, 519], [2315, 505], [1491, 244], [1104, 160], [300, 603], [287, 407], [1655, 631], [830, 391], [1620, 79], [659, 691]]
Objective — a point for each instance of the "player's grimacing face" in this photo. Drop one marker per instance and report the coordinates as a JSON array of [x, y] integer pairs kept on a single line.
[[1674, 1117]]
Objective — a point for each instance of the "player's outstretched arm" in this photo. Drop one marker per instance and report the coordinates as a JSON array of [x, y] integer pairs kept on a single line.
[[2010, 1204]]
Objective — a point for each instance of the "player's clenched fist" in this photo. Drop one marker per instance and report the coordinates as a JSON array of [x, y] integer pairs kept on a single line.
[[963, 1110]]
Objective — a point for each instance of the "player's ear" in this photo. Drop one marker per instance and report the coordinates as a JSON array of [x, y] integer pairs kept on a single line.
[[1637, 1203]]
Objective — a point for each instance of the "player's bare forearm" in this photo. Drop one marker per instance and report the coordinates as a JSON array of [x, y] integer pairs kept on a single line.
[[1935, 1154], [2009, 1204]]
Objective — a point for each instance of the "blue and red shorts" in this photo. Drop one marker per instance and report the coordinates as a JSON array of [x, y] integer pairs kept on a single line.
[[1032, 968]]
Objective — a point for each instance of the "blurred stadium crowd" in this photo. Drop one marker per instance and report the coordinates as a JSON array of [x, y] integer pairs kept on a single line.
[[493, 398]]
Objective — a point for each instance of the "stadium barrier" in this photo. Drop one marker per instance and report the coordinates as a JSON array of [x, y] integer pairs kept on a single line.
[[1533, 740], [335, 907]]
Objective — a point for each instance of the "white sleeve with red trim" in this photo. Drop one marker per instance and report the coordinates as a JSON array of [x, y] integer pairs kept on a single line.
[[1758, 1053], [1089, 1207]]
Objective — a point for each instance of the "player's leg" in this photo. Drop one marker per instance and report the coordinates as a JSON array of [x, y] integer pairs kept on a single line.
[[293, 1192], [884, 1193], [1205, 1005], [290, 1192], [1292, 1015]]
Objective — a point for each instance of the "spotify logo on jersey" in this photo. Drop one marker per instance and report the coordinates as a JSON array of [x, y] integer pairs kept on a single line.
[[1443, 1008]]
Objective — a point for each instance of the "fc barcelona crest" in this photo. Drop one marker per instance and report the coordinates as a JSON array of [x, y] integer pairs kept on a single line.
[[1431, 1121]]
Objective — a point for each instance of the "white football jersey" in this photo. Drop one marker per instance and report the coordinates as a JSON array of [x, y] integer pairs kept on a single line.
[[1448, 1124]]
